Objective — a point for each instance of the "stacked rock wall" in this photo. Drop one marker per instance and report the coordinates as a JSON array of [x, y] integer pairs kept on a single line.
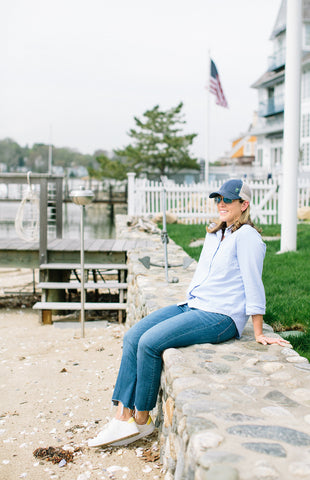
[[233, 411]]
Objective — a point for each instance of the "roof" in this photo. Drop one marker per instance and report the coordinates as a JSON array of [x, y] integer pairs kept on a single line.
[[268, 129], [280, 24], [269, 78]]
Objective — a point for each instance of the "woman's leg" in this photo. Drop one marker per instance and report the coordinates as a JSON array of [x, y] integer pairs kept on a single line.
[[178, 330], [125, 387], [191, 327], [123, 413]]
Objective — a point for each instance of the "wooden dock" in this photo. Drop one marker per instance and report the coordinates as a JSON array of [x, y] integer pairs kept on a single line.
[[104, 262], [15, 252], [59, 259]]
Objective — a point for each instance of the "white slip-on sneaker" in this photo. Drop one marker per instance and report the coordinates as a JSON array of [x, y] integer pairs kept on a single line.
[[144, 431], [115, 430]]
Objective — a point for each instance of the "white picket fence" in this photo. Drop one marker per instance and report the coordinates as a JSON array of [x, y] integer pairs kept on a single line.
[[191, 203], [303, 192]]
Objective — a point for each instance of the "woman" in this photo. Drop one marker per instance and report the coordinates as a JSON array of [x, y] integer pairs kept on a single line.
[[226, 289]]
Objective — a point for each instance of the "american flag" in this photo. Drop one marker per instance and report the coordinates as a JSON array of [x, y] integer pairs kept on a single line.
[[216, 87]]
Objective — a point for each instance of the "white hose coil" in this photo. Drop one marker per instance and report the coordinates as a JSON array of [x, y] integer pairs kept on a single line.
[[27, 220]]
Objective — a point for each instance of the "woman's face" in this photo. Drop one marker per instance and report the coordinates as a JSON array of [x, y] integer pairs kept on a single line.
[[230, 212]]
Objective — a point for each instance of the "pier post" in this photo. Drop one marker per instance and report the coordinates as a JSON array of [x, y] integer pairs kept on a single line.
[[131, 193], [59, 201], [43, 221]]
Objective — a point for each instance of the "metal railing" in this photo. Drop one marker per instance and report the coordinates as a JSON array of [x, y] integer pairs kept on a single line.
[[271, 107], [276, 60]]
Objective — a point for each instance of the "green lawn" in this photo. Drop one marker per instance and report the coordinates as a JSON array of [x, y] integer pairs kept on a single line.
[[286, 279]]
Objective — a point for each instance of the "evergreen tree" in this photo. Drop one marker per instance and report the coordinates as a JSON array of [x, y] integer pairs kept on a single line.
[[158, 144], [108, 168]]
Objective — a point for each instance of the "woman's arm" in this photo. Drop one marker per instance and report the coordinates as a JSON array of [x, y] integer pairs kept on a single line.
[[260, 337], [250, 256]]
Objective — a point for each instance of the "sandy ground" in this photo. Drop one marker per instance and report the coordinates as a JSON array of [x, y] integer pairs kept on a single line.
[[55, 391]]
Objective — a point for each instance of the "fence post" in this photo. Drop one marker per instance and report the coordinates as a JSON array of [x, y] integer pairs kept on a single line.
[[131, 194], [280, 191]]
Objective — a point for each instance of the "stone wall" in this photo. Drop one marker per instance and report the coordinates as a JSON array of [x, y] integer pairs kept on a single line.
[[233, 411], [148, 290]]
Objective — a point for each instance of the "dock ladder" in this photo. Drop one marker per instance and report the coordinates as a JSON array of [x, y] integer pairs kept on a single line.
[[58, 281]]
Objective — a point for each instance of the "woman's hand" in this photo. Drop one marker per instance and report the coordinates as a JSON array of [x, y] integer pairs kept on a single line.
[[270, 340], [260, 337]]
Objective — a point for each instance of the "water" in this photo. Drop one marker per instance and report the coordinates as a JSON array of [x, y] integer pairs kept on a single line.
[[97, 222]]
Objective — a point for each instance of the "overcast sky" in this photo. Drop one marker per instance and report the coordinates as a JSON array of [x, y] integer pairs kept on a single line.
[[77, 71]]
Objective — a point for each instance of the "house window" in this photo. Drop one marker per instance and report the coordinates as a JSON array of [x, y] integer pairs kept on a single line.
[[259, 157], [189, 179], [305, 85], [247, 149], [307, 35], [276, 156], [305, 154], [305, 125]]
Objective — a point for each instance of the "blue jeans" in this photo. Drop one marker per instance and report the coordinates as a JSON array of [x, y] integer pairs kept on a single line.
[[175, 326]]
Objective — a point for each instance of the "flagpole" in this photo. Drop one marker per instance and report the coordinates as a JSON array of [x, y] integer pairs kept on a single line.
[[214, 86], [291, 137], [207, 145]]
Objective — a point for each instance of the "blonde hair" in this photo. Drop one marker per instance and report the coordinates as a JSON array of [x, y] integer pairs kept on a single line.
[[244, 219]]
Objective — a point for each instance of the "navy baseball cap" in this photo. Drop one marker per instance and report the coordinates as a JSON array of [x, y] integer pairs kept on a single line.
[[234, 190]]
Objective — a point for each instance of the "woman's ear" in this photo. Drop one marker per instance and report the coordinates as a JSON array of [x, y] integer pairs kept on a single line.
[[245, 205]]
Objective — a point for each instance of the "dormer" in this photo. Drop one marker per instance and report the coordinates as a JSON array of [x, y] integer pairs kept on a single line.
[[276, 61]]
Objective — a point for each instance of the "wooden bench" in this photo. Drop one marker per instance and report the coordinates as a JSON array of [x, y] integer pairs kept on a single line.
[[51, 300]]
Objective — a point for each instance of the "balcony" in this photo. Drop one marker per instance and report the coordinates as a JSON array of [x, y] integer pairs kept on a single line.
[[272, 107], [277, 60]]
